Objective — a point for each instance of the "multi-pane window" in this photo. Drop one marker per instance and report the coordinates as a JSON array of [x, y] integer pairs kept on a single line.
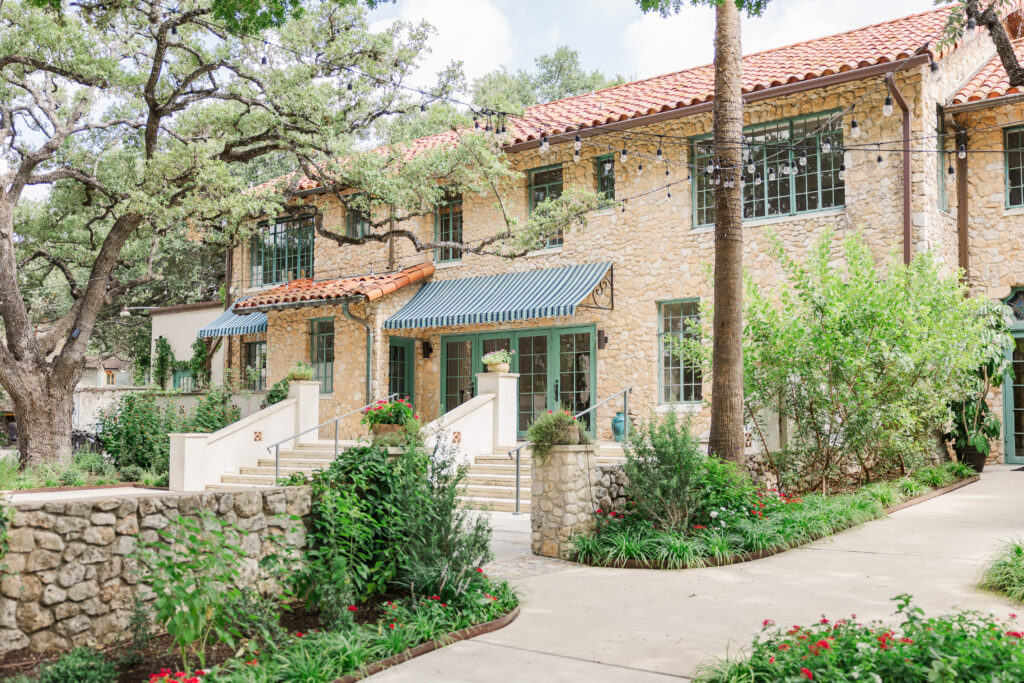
[[940, 158], [109, 378], [1015, 167], [604, 167], [677, 381], [256, 365], [321, 352], [281, 252], [448, 228], [786, 169], [357, 223], [182, 380], [546, 183]]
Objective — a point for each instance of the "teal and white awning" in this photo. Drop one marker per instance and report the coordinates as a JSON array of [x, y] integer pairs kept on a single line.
[[230, 323], [501, 298]]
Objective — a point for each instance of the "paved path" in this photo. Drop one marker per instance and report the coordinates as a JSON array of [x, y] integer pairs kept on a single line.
[[583, 623]]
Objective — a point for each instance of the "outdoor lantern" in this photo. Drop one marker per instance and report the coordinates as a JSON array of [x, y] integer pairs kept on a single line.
[[428, 348]]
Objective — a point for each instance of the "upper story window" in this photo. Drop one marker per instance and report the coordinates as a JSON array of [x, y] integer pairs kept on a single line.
[[1014, 149], [109, 378], [357, 223], [786, 169], [283, 251], [321, 352], [604, 168], [448, 228], [546, 183], [678, 382]]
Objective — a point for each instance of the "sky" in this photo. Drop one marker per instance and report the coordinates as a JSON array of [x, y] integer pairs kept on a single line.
[[613, 35]]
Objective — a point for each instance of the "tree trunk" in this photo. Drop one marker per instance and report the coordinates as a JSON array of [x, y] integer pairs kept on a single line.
[[726, 438], [43, 415]]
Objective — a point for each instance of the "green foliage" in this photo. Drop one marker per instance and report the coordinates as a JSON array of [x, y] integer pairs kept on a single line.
[[214, 411], [164, 363], [753, 8], [862, 360], [277, 393], [140, 624], [301, 371], [554, 428], [396, 412], [199, 365], [497, 356], [194, 569], [6, 517], [82, 664], [962, 646], [1004, 572]]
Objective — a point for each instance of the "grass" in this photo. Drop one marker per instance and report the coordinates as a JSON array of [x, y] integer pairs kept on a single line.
[[812, 517], [85, 468], [1004, 573]]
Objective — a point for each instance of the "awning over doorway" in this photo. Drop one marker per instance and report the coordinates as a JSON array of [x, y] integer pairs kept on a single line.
[[500, 298], [230, 323]]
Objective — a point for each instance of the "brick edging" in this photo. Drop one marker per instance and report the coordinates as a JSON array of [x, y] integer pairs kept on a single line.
[[424, 648], [768, 552]]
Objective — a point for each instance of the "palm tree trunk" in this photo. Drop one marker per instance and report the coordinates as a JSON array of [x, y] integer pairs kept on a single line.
[[726, 439]]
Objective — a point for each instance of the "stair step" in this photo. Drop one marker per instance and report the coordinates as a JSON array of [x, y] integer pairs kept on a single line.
[[232, 487], [296, 463], [502, 458], [494, 504], [254, 479], [498, 469], [268, 470], [498, 480], [476, 491]]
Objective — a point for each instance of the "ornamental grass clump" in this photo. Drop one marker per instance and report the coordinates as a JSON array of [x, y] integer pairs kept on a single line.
[[1004, 572], [962, 646], [554, 428]]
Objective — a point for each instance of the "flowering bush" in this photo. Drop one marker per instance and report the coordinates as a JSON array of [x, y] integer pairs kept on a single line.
[[302, 371], [498, 356], [963, 646], [168, 676], [554, 429], [396, 412]]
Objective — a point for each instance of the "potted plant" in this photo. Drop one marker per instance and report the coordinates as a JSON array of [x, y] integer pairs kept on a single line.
[[301, 371], [499, 360], [974, 425], [554, 429], [387, 420]]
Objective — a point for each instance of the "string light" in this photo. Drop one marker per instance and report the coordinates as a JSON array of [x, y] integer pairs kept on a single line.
[[854, 128], [971, 30], [936, 69], [826, 145], [803, 158], [771, 174], [576, 156], [710, 167], [750, 166], [608, 167], [757, 179], [842, 171], [577, 143], [659, 157], [639, 170], [544, 145], [624, 156], [962, 152], [887, 107]]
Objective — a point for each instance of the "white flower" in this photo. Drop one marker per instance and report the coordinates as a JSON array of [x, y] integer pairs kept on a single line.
[[714, 513]]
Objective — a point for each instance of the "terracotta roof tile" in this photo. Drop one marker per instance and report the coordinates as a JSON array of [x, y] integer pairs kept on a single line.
[[367, 287], [991, 81]]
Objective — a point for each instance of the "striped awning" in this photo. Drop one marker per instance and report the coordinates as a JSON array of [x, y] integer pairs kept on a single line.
[[500, 298], [230, 323]]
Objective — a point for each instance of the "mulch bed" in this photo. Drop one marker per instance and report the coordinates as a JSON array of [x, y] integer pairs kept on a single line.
[[761, 554]]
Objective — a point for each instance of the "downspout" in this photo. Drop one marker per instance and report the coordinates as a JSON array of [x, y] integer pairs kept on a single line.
[[963, 244], [902, 102], [369, 345]]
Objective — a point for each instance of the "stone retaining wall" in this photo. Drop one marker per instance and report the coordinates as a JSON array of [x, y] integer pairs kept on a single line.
[[69, 579]]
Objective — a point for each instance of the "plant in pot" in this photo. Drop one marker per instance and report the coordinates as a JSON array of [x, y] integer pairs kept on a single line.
[[387, 421], [554, 429], [974, 425], [301, 371], [499, 360]]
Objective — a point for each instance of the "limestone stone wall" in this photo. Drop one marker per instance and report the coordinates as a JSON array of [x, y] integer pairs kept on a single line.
[[68, 578], [609, 488], [561, 502]]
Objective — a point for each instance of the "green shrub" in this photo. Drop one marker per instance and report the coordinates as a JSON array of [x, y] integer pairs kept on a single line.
[[554, 428], [82, 665], [301, 371], [963, 646], [278, 392], [164, 362], [935, 477], [132, 473], [134, 431], [214, 411], [886, 493], [199, 364], [1004, 573]]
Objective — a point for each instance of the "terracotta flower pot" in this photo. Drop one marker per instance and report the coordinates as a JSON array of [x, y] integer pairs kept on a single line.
[[498, 367]]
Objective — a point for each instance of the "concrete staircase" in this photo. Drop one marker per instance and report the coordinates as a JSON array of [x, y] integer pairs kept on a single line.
[[303, 459]]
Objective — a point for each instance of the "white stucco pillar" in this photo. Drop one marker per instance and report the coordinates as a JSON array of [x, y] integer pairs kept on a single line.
[[505, 387], [307, 411], [188, 462]]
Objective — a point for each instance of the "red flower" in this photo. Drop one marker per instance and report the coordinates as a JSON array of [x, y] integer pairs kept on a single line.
[[806, 673], [391, 625], [480, 570], [766, 623], [784, 647], [299, 634], [352, 608], [771, 660], [1015, 634], [824, 645], [699, 526]]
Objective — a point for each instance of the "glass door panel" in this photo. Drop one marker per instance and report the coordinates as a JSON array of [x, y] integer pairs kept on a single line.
[[573, 388], [1018, 397], [458, 373], [488, 344], [532, 355], [400, 368]]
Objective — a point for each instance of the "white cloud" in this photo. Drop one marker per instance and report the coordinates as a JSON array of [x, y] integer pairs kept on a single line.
[[472, 31]]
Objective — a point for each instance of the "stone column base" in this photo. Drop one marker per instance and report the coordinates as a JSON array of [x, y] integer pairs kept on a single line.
[[562, 501]]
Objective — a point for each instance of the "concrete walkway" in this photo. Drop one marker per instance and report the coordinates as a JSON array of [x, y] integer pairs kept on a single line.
[[582, 623]]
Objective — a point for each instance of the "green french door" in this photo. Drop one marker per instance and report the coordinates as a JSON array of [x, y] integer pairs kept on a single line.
[[1013, 403], [556, 366], [401, 364]]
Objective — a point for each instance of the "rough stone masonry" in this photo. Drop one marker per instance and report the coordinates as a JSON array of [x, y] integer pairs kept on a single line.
[[69, 579]]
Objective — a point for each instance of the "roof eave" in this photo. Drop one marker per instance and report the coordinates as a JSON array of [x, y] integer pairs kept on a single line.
[[973, 105], [263, 308], [754, 96]]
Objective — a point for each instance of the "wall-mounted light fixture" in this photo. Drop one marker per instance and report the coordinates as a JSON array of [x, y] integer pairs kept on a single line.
[[602, 339], [428, 348]]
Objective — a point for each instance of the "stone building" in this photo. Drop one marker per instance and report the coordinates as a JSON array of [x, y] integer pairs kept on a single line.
[[855, 131]]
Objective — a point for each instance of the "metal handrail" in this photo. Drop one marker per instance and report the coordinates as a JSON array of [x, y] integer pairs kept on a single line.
[[517, 451], [336, 420]]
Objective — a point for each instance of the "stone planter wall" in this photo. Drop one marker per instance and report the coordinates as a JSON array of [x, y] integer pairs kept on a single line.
[[68, 578]]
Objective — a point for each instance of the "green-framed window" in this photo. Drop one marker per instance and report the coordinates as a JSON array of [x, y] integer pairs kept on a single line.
[[1014, 152], [678, 382], [940, 159], [256, 365], [321, 352], [282, 251], [772, 151], [182, 380], [604, 169], [546, 183], [448, 228], [357, 223]]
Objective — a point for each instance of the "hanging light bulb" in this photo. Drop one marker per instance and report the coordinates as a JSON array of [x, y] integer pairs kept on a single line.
[[887, 107], [962, 151], [639, 170], [743, 182], [575, 156], [608, 167], [826, 145], [750, 166], [803, 158], [879, 159], [854, 128], [658, 156], [666, 171], [544, 145], [950, 170], [709, 168], [577, 143], [718, 164], [842, 171], [771, 174], [624, 156], [784, 169], [718, 179], [935, 69], [757, 179], [971, 30], [669, 193], [795, 170], [502, 131]]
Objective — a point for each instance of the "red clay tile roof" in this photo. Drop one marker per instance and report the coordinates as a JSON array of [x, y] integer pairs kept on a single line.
[[367, 287], [880, 43], [990, 82]]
